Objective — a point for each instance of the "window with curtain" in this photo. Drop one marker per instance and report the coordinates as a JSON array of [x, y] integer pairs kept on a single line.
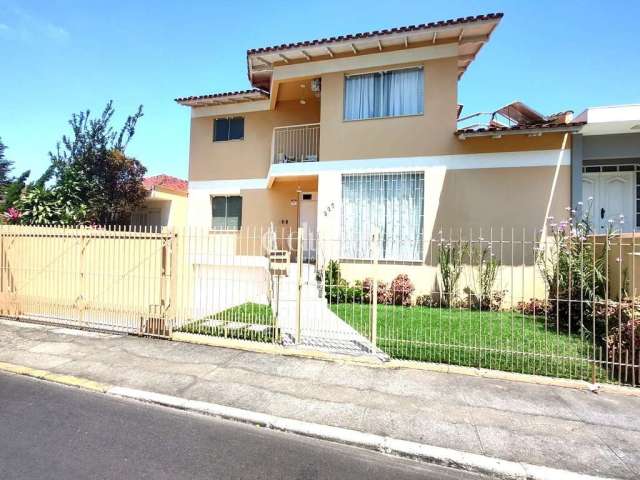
[[392, 204], [393, 93], [226, 213], [231, 128]]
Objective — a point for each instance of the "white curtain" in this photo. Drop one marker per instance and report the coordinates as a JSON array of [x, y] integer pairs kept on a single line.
[[384, 94], [403, 92], [392, 204], [362, 97]]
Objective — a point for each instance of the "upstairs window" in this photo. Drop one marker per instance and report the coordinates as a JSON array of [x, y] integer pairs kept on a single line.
[[394, 93], [230, 128], [226, 212]]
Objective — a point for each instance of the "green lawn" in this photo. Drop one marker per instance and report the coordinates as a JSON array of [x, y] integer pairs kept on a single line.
[[507, 341], [243, 322]]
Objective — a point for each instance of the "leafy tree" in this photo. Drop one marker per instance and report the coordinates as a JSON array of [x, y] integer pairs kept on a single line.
[[14, 189], [108, 182], [61, 204], [90, 179], [10, 187]]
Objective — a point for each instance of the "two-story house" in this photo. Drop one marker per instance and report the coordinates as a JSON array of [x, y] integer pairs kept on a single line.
[[359, 133]]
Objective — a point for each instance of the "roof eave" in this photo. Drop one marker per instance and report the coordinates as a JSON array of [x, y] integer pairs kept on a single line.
[[281, 50], [534, 131]]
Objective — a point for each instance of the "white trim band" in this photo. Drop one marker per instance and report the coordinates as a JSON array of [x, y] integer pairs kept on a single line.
[[537, 158], [472, 161]]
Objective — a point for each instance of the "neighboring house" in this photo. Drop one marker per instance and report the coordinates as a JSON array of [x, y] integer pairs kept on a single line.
[[605, 161], [166, 204], [349, 135]]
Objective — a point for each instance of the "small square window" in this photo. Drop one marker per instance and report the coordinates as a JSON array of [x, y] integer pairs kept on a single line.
[[225, 129], [226, 212]]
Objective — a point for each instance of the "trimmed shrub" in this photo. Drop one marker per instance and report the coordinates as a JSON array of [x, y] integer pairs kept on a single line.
[[492, 301], [426, 301]]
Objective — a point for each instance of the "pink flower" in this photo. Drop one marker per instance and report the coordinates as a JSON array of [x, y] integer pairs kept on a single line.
[[12, 215]]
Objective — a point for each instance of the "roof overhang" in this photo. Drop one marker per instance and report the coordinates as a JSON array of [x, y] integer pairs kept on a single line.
[[618, 119], [225, 98], [529, 130], [469, 34], [160, 189]]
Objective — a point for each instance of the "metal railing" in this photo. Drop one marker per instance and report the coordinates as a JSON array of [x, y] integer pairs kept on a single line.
[[560, 303], [297, 143]]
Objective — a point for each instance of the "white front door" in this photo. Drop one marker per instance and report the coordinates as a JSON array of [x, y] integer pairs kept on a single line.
[[309, 222], [612, 199]]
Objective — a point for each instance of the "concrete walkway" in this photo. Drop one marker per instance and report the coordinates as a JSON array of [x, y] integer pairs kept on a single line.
[[320, 328], [563, 428]]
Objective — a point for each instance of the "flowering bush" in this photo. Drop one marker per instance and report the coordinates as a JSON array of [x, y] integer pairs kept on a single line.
[[575, 271], [533, 306], [401, 290], [623, 340], [12, 215], [384, 295]]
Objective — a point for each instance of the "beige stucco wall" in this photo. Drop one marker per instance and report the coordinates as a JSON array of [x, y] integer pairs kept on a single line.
[[427, 134], [260, 207], [172, 207], [175, 204], [248, 158], [493, 204], [431, 133]]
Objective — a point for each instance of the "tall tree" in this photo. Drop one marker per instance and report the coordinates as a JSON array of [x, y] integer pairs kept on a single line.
[[111, 182], [10, 187], [14, 190], [5, 166]]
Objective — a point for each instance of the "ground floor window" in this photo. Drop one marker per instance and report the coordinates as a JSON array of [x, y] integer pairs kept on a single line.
[[226, 212], [392, 204]]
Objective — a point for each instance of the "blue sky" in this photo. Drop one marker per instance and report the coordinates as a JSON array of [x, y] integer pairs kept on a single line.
[[62, 56]]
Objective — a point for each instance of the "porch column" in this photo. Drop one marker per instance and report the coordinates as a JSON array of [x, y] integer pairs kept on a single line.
[[576, 171]]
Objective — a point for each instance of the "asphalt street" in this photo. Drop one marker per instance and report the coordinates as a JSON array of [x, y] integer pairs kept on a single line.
[[49, 431]]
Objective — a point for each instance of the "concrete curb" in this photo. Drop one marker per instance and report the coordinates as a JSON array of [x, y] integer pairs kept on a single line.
[[436, 455], [68, 380]]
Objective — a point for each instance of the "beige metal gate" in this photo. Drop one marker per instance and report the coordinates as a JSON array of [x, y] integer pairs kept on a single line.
[[103, 278]]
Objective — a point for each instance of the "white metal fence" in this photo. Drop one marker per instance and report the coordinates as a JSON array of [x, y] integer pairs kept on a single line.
[[560, 302]]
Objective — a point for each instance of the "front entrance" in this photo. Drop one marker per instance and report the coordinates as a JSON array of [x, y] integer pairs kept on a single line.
[[611, 197], [309, 222]]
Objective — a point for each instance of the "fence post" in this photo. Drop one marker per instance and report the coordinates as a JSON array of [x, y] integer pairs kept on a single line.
[[374, 287], [173, 281], [300, 255], [82, 267]]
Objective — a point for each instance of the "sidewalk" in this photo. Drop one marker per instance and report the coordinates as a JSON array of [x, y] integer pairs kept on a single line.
[[563, 428]]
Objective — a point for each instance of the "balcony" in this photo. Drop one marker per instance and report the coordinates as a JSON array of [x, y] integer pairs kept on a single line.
[[296, 144]]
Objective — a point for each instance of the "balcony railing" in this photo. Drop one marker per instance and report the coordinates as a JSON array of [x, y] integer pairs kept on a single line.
[[297, 143]]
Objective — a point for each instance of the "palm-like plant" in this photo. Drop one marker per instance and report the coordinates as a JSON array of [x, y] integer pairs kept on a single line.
[[450, 259]]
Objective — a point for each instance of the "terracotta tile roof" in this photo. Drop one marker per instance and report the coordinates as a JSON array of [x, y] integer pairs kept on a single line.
[[222, 95], [517, 128], [374, 33], [167, 182]]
